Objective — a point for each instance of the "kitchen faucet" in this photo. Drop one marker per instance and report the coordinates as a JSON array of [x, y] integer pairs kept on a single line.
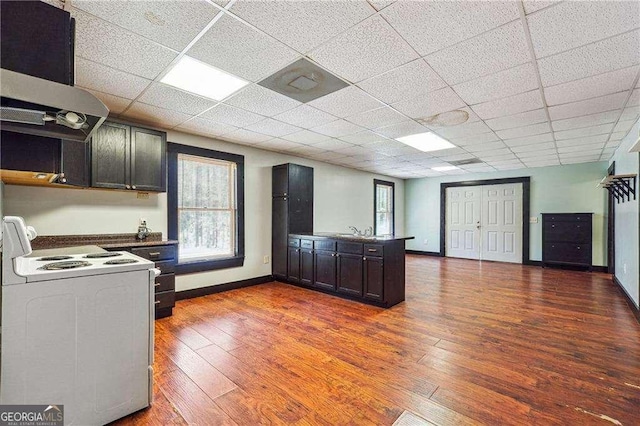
[[367, 232]]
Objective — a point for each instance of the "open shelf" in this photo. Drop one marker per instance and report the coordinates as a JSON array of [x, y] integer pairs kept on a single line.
[[620, 186]]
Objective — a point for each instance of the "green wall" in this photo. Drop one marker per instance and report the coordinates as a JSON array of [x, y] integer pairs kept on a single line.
[[558, 189]]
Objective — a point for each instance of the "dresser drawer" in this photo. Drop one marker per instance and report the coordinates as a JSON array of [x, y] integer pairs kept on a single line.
[[306, 244], [165, 282], [166, 299], [328, 245], [346, 247], [567, 232], [373, 249], [567, 217], [567, 252], [156, 253], [294, 242]]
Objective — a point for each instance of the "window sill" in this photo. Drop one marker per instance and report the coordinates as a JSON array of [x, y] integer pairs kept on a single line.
[[209, 265]]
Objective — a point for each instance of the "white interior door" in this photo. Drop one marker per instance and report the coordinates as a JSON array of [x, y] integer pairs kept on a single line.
[[484, 222], [463, 221], [501, 223]]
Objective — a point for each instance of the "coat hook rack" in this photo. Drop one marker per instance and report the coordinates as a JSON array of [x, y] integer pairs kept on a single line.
[[620, 186]]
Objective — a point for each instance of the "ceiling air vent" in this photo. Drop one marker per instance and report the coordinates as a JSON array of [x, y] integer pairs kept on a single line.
[[465, 162], [303, 81]]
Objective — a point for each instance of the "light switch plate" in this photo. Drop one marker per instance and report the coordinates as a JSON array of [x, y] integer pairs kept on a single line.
[[533, 219]]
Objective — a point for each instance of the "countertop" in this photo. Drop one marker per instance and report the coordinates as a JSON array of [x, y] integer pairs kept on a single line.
[[105, 241], [346, 237]]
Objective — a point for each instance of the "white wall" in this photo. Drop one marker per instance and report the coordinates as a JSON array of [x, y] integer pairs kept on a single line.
[[342, 197], [570, 189], [627, 217]]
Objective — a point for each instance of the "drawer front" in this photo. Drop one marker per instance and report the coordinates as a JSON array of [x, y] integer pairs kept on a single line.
[[567, 252], [567, 217], [373, 249], [165, 282], [156, 253], [328, 245], [166, 267], [346, 247], [166, 299], [306, 244], [567, 231], [294, 242]]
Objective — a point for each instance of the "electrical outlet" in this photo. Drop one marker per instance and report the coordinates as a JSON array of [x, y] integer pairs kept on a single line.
[[143, 195], [265, 259], [143, 221], [533, 219]]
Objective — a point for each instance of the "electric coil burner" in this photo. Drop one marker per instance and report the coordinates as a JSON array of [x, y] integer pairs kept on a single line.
[[120, 261], [72, 264], [53, 258], [101, 255]]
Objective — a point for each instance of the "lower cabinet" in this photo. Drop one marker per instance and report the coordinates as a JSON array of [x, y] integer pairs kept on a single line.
[[374, 278], [293, 273], [325, 270], [350, 279], [306, 266]]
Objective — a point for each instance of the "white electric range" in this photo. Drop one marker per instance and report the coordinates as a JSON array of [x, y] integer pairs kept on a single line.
[[77, 330]]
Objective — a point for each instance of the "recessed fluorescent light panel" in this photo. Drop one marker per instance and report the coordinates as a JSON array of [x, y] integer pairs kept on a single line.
[[202, 79], [445, 168], [426, 142]]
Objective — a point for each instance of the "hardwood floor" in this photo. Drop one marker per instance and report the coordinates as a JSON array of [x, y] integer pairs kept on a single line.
[[474, 343]]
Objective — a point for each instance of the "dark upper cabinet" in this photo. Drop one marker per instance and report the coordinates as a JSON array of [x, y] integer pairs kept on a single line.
[[280, 181], [125, 157], [349, 274], [373, 278], [325, 270], [75, 163]]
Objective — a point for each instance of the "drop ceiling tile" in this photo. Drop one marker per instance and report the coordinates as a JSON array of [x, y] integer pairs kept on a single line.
[[375, 118], [512, 81], [518, 120], [580, 154], [586, 120], [430, 104], [380, 4], [402, 129], [489, 53], [306, 151], [302, 25], [539, 147], [544, 163], [337, 128], [363, 138], [332, 145], [528, 140], [305, 116], [576, 23], [510, 161], [612, 144], [597, 58], [580, 148], [404, 82], [93, 75], [240, 50], [262, 101], [231, 115], [153, 115], [582, 141], [634, 100], [624, 126], [388, 145], [306, 137], [530, 156], [277, 144], [272, 127], [345, 102], [396, 150], [630, 113], [115, 104], [589, 159], [448, 152], [584, 132], [489, 146], [508, 106], [617, 136], [205, 127], [464, 130], [518, 132], [496, 155], [326, 156], [108, 44], [531, 6], [589, 106], [173, 24], [367, 49], [458, 157], [355, 150], [591, 87], [515, 166], [431, 26], [247, 136], [344, 160], [471, 140], [164, 96]]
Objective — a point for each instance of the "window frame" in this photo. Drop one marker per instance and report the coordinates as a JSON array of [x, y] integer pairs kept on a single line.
[[173, 149], [380, 182]]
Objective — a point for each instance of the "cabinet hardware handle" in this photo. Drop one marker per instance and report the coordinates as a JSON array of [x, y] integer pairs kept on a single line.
[[157, 302], [333, 255], [127, 186], [297, 250], [578, 247], [553, 226], [372, 250], [133, 187], [364, 258], [154, 253], [157, 284]]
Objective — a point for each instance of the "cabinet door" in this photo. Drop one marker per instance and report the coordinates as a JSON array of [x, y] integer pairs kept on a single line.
[[350, 273], [280, 181], [325, 276], [75, 162], [306, 266], [110, 156], [294, 265], [148, 160], [373, 278], [279, 237]]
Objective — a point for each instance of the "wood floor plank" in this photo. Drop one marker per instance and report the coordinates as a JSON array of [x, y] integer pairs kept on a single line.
[[474, 343]]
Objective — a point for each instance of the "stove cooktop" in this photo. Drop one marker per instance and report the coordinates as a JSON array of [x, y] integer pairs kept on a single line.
[[120, 261], [72, 264], [53, 258], [102, 255]]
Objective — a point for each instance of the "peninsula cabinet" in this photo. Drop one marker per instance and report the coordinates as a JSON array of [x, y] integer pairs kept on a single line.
[[371, 271], [128, 157]]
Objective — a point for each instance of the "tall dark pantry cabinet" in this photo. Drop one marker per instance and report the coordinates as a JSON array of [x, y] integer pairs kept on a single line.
[[292, 211]]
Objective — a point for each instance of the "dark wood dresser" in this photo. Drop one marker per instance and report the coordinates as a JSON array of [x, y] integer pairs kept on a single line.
[[566, 239]]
